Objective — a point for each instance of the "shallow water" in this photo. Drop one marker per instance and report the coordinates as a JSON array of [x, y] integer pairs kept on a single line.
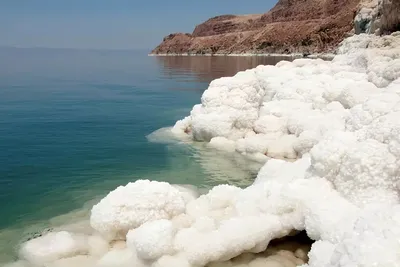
[[73, 126]]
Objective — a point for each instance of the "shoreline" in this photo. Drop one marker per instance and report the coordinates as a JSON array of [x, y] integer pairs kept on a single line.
[[333, 118], [328, 56]]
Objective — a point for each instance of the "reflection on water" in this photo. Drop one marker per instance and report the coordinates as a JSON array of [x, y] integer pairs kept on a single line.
[[207, 68]]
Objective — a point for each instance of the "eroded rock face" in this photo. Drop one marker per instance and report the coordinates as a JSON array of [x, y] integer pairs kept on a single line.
[[226, 24], [377, 16], [390, 21], [308, 26]]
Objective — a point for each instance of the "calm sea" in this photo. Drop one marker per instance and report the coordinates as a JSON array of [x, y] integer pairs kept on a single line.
[[73, 126]]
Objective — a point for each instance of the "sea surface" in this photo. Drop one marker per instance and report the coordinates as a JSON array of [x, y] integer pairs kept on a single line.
[[74, 125]]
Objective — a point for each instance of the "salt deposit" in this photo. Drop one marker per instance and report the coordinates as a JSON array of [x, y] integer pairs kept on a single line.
[[329, 134]]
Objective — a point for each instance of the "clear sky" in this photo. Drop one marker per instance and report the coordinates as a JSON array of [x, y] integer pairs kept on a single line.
[[111, 24]]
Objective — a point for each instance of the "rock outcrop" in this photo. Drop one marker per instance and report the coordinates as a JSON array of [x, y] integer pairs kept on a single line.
[[367, 18], [378, 16], [390, 20], [292, 26]]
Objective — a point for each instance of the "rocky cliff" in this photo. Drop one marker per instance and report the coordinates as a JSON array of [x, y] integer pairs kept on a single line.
[[378, 16], [292, 26]]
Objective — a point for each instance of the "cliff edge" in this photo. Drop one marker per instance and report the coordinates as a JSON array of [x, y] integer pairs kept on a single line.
[[292, 26]]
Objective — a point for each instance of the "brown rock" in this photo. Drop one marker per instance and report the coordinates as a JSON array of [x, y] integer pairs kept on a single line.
[[226, 24], [292, 26]]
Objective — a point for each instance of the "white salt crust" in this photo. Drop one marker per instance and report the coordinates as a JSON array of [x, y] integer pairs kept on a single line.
[[329, 133]]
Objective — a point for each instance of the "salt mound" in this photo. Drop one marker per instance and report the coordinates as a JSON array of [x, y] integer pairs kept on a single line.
[[332, 129], [282, 111], [53, 246], [128, 207]]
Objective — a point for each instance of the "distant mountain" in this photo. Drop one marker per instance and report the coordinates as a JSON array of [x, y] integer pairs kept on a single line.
[[305, 26]]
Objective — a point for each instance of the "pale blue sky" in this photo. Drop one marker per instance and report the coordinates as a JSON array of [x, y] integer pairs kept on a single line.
[[111, 24]]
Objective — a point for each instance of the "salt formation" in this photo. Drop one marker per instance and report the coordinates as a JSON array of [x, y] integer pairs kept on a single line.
[[113, 217], [377, 16], [367, 19], [282, 111], [329, 133]]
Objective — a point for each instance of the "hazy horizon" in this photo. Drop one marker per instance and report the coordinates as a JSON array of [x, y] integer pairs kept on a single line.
[[117, 25], [74, 48]]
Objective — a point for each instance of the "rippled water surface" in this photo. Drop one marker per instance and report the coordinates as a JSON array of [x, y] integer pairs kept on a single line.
[[73, 126]]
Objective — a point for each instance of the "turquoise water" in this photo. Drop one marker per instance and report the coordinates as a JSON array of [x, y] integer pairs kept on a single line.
[[73, 126]]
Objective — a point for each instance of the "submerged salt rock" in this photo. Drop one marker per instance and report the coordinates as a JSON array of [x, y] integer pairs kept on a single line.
[[128, 207], [222, 143], [52, 247]]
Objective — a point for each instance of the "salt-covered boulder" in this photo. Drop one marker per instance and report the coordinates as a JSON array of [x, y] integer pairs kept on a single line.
[[128, 207], [53, 246]]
